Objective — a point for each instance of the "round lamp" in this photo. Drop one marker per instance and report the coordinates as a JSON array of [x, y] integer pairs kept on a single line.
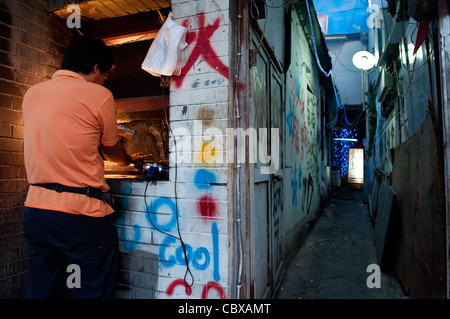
[[363, 60]]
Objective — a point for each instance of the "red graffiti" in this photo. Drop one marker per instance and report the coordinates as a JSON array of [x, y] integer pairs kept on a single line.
[[295, 135], [213, 285], [304, 133], [207, 207], [318, 108], [302, 103], [205, 292], [175, 283], [203, 47], [293, 87]]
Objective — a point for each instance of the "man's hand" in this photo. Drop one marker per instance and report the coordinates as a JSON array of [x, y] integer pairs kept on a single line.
[[116, 154], [139, 165]]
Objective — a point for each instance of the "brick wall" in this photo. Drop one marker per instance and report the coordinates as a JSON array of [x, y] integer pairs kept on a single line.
[[31, 47]]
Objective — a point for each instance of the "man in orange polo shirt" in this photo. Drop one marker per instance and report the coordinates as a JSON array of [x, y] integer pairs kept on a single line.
[[66, 121]]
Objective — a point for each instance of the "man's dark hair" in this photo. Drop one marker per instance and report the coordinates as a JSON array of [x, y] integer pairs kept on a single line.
[[84, 53]]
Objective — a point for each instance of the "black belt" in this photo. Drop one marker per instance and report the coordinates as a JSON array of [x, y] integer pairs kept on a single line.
[[88, 191]]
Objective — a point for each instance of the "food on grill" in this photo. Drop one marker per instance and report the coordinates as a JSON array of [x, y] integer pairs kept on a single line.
[[141, 157]]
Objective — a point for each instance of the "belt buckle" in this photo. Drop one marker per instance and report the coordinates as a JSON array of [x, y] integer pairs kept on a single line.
[[107, 198], [94, 192], [88, 191]]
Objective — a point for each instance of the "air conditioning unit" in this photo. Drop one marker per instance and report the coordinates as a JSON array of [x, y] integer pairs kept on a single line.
[[421, 10], [396, 30]]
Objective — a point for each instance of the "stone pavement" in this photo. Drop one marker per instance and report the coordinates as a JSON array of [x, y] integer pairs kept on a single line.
[[332, 263]]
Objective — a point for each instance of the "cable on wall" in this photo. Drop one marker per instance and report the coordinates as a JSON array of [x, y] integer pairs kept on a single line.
[[329, 73], [179, 237]]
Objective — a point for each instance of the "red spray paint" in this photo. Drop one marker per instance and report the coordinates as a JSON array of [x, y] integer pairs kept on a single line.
[[207, 207], [202, 48]]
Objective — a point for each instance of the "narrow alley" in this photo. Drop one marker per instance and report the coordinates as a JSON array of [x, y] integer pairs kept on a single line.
[[333, 261]]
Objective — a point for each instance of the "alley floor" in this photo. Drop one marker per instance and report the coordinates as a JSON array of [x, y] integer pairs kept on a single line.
[[332, 263]]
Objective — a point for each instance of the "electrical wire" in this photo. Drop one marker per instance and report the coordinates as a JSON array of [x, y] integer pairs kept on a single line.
[[179, 237], [429, 53], [356, 121], [340, 62], [348, 31], [329, 73], [281, 5], [265, 17], [264, 29], [390, 33]]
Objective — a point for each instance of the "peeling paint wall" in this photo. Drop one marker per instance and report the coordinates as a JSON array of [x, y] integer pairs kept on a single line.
[[285, 204], [306, 178]]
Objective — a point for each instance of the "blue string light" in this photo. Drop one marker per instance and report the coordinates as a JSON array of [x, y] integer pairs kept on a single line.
[[318, 61], [341, 147]]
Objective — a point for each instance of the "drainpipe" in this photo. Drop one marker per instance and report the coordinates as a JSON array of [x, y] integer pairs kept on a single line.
[[444, 56]]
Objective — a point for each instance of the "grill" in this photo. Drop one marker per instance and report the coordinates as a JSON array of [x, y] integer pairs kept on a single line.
[[141, 106]]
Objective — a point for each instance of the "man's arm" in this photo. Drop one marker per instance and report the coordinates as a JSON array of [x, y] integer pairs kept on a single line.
[[116, 154]]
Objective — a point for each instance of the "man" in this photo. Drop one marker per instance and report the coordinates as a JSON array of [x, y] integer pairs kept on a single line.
[[66, 121]]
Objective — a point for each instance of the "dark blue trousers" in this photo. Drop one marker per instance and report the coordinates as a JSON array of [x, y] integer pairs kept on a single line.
[[56, 240]]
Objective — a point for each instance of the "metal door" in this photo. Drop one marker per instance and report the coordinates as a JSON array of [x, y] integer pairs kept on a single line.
[[276, 185], [266, 113]]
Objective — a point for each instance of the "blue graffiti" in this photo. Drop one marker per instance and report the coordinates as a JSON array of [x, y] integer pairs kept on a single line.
[[200, 258], [126, 189], [153, 209], [297, 87], [215, 237], [294, 184], [170, 261], [290, 118], [199, 254], [300, 175], [203, 179], [128, 245]]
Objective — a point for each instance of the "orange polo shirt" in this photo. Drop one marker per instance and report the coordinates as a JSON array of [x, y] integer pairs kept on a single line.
[[65, 121]]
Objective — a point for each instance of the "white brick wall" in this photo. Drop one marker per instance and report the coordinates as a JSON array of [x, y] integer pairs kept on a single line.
[[152, 264]]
